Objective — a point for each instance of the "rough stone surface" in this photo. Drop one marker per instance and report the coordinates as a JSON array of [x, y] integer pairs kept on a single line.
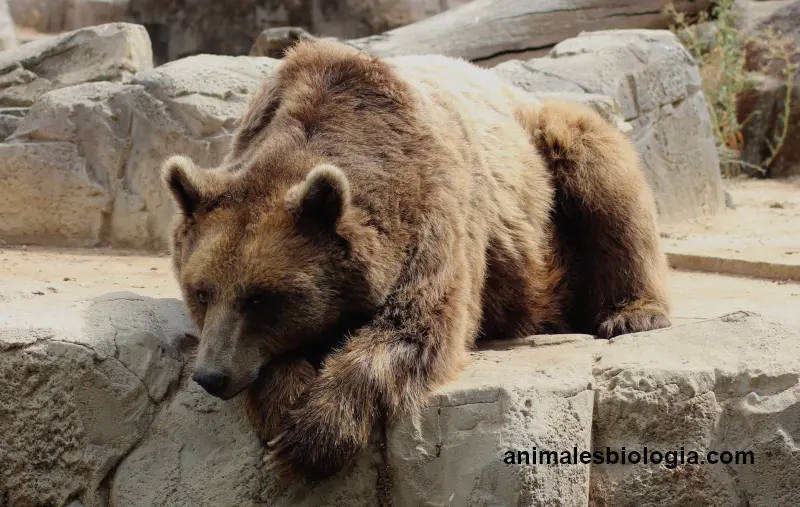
[[102, 411], [10, 118], [8, 32], [641, 81], [111, 52], [79, 385], [181, 28], [763, 108], [657, 86], [116, 136], [724, 385], [49, 193]]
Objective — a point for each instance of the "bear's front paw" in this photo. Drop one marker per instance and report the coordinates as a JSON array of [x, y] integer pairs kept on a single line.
[[312, 447], [632, 320]]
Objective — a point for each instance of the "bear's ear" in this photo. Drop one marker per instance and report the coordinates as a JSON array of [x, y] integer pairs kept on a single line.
[[321, 199], [181, 177]]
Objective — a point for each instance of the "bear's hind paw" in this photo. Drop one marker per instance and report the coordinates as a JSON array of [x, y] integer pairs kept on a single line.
[[632, 320]]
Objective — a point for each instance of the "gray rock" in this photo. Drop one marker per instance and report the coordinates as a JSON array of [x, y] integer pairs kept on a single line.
[[8, 32], [641, 81], [111, 52], [79, 383], [702, 36], [751, 13], [272, 42], [101, 410], [729, 203], [50, 194], [454, 453], [181, 29], [119, 135], [724, 385], [657, 86], [10, 118]]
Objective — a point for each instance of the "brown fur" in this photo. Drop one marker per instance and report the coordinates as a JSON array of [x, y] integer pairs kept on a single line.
[[375, 218]]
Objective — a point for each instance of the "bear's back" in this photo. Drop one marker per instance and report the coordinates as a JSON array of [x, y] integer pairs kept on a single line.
[[472, 108]]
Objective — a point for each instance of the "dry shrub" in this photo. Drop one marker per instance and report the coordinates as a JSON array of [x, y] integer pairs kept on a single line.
[[720, 49]]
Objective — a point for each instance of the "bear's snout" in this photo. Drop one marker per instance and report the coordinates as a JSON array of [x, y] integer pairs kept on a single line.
[[214, 382]]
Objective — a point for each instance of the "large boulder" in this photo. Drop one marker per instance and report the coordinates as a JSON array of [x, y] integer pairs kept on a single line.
[[657, 86], [181, 28], [641, 81], [8, 32], [108, 140], [728, 385], [494, 31], [98, 409], [80, 383], [50, 193], [111, 52]]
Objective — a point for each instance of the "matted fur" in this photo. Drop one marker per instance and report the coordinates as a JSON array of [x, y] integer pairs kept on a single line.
[[390, 213]]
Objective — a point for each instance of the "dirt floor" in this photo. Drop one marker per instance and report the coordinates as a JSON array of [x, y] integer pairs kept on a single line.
[[80, 274], [760, 237], [764, 227]]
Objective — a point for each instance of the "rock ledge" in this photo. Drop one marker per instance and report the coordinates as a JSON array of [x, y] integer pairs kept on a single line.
[[100, 411]]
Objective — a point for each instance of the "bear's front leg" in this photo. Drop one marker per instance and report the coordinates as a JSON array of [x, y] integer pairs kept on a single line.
[[267, 401], [387, 367]]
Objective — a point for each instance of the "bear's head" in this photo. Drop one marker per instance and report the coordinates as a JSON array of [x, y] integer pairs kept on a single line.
[[270, 262]]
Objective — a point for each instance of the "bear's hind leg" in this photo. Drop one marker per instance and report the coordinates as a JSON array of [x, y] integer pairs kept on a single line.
[[605, 220]]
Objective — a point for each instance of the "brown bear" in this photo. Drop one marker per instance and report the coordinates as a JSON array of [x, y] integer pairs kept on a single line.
[[375, 217]]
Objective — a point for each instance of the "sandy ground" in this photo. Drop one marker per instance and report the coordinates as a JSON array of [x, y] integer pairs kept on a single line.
[[763, 232], [81, 274], [764, 227]]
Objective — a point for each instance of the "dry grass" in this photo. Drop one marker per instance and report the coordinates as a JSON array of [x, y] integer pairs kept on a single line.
[[720, 49]]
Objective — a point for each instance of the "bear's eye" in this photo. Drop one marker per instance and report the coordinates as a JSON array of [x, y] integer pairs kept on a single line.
[[261, 301], [202, 296]]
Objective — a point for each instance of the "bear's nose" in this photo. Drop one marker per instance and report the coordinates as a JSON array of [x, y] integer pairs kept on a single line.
[[213, 382]]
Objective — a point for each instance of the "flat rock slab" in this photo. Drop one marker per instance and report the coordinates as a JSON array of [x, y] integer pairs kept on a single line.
[[101, 409], [759, 237], [110, 52]]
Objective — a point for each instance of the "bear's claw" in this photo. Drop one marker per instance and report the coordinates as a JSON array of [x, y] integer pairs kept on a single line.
[[628, 321]]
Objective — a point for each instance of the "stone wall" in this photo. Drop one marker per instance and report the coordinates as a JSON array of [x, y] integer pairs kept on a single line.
[[97, 409], [83, 159]]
